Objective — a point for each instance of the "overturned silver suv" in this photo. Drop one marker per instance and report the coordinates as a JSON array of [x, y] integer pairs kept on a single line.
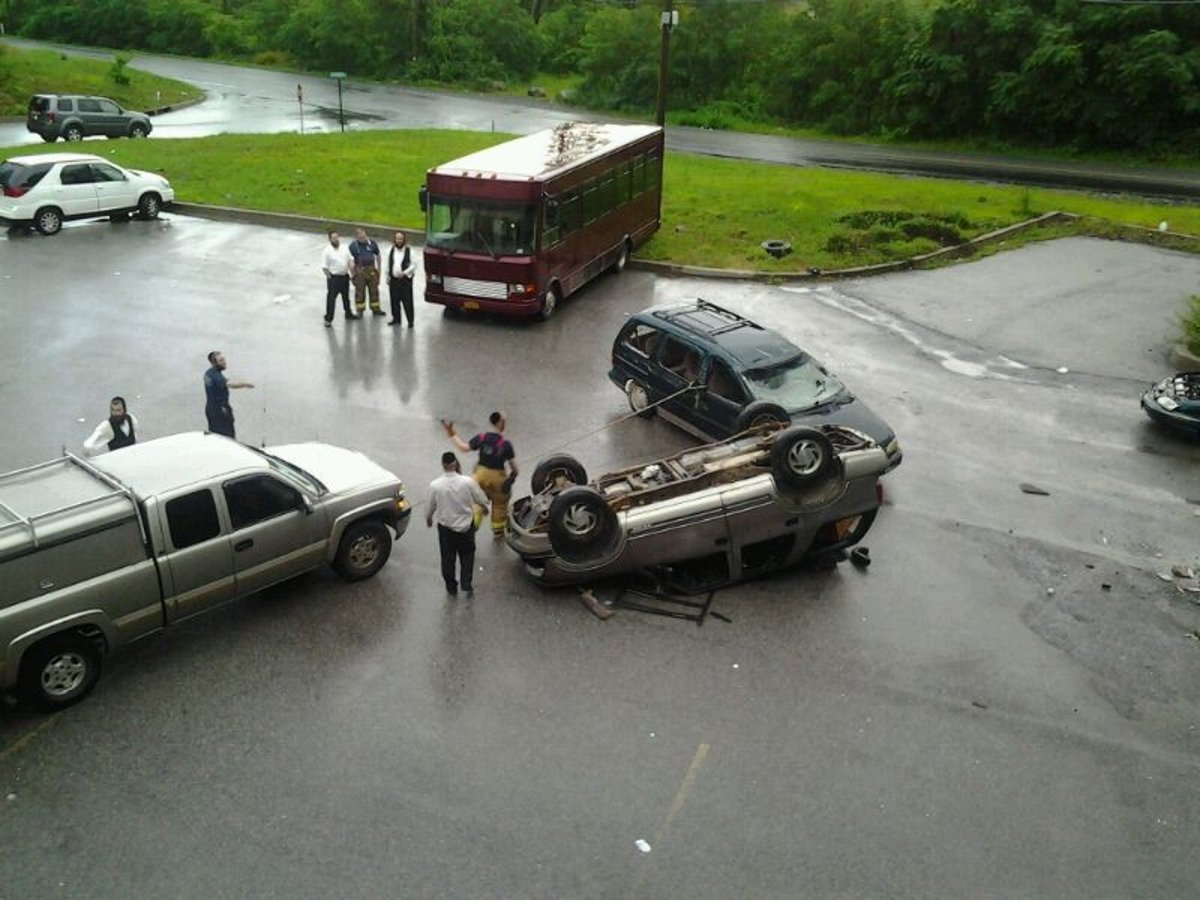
[[763, 500]]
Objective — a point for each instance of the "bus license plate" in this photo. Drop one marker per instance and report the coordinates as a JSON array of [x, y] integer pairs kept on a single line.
[[470, 304]]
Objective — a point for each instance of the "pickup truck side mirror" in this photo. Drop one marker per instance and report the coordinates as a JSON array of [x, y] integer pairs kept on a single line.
[[423, 198], [306, 505]]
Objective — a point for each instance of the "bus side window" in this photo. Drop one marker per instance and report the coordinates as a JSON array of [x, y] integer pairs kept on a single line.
[[654, 173], [608, 194], [624, 183], [569, 214], [591, 205], [639, 175]]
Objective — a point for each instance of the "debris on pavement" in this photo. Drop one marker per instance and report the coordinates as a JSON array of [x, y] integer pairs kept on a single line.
[[1034, 489], [1165, 576], [599, 610], [642, 845], [1105, 586], [1183, 571], [978, 705]]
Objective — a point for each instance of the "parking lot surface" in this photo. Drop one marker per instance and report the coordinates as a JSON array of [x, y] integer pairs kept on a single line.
[[976, 714]]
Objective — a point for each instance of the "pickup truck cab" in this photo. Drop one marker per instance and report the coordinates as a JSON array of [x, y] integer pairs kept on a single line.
[[97, 553]]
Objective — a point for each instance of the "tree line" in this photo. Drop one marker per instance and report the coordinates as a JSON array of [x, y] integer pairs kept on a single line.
[[1064, 73]]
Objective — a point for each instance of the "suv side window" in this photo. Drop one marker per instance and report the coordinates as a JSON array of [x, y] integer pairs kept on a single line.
[[65, 105], [680, 359], [642, 338], [192, 519], [86, 104], [80, 173], [105, 172], [107, 106], [723, 383], [257, 498]]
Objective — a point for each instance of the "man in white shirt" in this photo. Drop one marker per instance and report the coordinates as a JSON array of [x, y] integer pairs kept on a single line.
[[117, 431], [452, 501], [338, 266]]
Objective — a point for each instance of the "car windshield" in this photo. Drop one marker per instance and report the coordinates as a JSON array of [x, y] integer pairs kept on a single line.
[[797, 383], [476, 226], [294, 472]]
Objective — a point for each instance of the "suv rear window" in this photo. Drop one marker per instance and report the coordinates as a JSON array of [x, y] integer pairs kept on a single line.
[[20, 176], [40, 104]]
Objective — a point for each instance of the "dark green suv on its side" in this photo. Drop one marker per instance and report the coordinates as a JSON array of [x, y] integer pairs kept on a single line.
[[73, 117], [715, 374]]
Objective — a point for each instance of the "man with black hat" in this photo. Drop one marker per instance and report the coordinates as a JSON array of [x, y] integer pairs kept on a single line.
[[452, 501], [117, 431]]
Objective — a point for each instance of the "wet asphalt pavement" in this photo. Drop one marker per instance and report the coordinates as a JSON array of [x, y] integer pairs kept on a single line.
[[938, 725]]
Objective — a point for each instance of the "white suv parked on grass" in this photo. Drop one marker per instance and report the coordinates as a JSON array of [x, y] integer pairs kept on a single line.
[[46, 190]]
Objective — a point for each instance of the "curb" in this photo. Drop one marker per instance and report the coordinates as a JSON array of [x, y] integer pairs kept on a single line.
[[290, 221], [417, 238], [175, 107], [964, 249]]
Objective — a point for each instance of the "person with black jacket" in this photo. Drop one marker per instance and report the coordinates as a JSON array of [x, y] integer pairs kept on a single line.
[[400, 269], [117, 431]]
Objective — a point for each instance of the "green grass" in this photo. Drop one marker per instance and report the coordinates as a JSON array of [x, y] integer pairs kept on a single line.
[[716, 212], [24, 73]]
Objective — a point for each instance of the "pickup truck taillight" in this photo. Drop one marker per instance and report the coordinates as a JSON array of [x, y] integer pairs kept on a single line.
[[10, 191]]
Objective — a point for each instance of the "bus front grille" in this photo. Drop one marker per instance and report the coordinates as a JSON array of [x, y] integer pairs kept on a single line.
[[469, 287]]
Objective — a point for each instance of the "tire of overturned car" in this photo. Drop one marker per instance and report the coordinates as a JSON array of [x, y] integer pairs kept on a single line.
[[582, 526], [554, 470], [802, 457]]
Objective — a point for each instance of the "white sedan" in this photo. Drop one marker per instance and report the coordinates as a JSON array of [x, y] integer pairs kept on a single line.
[[51, 188]]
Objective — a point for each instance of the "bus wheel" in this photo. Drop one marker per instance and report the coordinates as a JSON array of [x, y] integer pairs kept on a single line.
[[622, 258], [549, 303]]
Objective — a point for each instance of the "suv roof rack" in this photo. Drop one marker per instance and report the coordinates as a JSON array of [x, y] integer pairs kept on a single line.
[[706, 319]]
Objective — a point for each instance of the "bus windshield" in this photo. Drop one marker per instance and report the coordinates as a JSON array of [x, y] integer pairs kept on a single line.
[[480, 226]]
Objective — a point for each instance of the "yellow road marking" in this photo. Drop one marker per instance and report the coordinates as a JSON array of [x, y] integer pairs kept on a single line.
[[681, 795], [24, 739]]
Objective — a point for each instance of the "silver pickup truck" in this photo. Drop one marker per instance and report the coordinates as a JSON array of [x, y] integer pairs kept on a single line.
[[97, 553]]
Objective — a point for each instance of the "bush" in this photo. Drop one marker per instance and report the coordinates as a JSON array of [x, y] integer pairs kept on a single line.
[[1190, 320], [116, 72]]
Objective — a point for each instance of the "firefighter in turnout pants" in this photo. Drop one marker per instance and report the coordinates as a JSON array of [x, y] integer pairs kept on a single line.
[[497, 467]]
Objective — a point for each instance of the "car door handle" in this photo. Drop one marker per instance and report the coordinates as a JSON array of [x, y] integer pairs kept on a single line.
[[243, 545], [791, 523], [721, 542]]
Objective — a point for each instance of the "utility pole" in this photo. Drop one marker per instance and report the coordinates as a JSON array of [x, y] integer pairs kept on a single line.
[[670, 18]]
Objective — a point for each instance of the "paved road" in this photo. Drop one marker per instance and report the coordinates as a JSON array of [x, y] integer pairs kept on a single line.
[[258, 100], [940, 725]]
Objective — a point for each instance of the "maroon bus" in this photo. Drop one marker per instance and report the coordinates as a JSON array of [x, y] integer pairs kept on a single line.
[[516, 228]]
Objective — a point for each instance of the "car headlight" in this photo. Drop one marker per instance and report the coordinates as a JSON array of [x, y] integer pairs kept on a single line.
[[1168, 403], [892, 448]]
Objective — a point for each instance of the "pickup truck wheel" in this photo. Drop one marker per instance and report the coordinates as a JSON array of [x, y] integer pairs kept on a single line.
[[365, 547], [802, 456], [59, 671], [583, 527], [557, 471]]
